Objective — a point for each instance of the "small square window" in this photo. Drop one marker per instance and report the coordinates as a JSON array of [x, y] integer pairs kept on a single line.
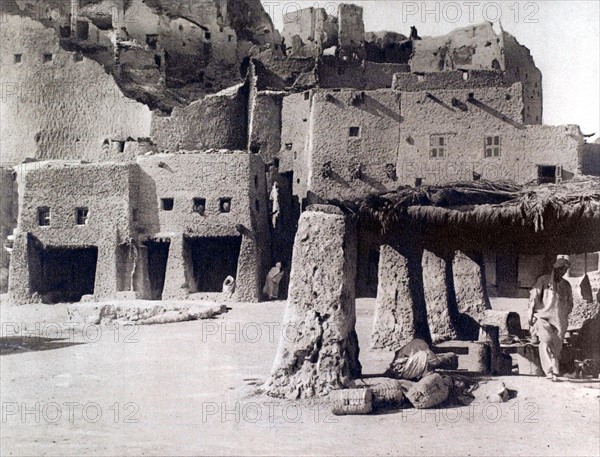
[[152, 41], [225, 205], [257, 205], [44, 216], [207, 35], [167, 204], [230, 38], [81, 216], [306, 95], [47, 58], [418, 182], [438, 145], [354, 132], [493, 146], [18, 58], [78, 57], [289, 146], [199, 205]]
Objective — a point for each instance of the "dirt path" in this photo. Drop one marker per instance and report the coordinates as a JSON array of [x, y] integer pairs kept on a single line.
[[189, 389]]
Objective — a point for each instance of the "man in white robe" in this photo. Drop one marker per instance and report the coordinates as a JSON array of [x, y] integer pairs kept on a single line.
[[551, 302]]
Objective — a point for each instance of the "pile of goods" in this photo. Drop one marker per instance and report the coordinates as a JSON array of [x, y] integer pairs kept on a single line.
[[417, 377]]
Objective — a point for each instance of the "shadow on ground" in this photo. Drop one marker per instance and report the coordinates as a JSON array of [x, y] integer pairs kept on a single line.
[[18, 344]]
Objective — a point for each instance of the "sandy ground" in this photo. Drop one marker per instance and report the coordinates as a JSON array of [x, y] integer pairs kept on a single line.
[[190, 389]]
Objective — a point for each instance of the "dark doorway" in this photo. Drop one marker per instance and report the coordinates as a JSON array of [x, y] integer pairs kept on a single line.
[[67, 274], [158, 254], [372, 273], [507, 274], [546, 174], [213, 260]]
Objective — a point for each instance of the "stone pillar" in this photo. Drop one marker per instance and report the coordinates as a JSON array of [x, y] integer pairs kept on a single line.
[[437, 281], [318, 351], [471, 295], [141, 278], [24, 270], [399, 313], [179, 274], [106, 282], [248, 271]]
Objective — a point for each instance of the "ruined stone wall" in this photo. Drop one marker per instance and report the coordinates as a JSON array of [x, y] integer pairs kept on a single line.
[[308, 31], [469, 48], [590, 159], [265, 125], [519, 66], [217, 121], [352, 130], [356, 74], [198, 50], [63, 108], [276, 72], [465, 123], [387, 47], [351, 32]]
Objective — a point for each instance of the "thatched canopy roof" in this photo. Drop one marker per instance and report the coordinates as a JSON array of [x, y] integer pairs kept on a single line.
[[568, 213]]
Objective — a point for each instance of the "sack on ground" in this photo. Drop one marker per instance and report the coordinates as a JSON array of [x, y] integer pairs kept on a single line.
[[386, 392], [428, 392], [351, 401]]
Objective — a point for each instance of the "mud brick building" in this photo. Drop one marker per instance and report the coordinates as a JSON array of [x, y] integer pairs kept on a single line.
[[165, 227], [166, 134]]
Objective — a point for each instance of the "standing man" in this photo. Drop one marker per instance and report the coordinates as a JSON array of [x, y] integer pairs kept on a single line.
[[274, 277], [550, 303]]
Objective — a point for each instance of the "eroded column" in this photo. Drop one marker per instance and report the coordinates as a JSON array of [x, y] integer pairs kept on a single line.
[[319, 347]]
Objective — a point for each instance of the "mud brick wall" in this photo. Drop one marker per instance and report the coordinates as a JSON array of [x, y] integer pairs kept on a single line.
[[295, 128], [104, 190], [217, 121], [211, 176], [348, 128], [265, 125], [61, 109], [465, 118]]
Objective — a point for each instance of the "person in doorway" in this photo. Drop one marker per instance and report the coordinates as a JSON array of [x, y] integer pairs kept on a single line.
[[274, 198], [274, 277], [550, 303]]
